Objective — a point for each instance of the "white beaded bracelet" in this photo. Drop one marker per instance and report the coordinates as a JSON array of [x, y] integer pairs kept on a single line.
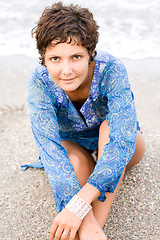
[[79, 207]]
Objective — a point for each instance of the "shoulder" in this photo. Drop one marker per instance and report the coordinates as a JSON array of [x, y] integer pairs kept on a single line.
[[107, 60], [39, 75], [40, 85], [41, 80], [112, 71]]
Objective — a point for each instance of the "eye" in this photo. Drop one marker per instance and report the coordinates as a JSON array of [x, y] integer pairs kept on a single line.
[[55, 59], [76, 57]]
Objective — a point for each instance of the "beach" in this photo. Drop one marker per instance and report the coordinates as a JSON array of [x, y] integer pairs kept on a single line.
[[27, 204]]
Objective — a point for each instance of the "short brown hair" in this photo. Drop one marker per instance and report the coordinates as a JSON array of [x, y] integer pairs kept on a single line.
[[63, 23]]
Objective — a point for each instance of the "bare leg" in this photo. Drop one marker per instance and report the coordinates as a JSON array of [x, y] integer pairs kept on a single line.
[[81, 160], [139, 151]]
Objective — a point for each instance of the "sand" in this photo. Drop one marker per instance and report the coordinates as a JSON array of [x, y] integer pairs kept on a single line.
[[27, 204]]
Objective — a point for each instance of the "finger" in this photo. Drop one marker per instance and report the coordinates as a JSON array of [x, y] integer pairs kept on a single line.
[[51, 236], [58, 233], [53, 231], [65, 234], [73, 234]]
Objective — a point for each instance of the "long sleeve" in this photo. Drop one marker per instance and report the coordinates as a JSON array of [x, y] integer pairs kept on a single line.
[[42, 110], [122, 123]]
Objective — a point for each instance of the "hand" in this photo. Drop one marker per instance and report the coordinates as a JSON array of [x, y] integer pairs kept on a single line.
[[90, 229], [65, 226]]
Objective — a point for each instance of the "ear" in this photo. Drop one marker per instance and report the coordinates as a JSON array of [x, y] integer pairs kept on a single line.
[[94, 53]]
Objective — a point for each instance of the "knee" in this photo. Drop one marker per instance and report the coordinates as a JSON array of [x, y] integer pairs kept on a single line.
[[140, 145], [139, 151], [104, 129], [103, 136], [104, 133], [78, 160], [81, 165], [79, 157]]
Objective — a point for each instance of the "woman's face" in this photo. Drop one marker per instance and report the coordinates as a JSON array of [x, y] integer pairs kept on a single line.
[[68, 65]]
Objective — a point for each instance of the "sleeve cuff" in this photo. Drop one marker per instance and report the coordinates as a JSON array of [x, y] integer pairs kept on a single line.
[[110, 188]]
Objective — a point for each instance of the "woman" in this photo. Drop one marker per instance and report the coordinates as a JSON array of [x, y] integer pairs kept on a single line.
[[80, 103]]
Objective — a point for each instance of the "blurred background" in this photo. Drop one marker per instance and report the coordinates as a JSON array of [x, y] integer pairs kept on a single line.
[[128, 29]]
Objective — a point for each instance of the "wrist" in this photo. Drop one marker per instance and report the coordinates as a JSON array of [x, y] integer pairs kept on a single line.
[[89, 193], [78, 207]]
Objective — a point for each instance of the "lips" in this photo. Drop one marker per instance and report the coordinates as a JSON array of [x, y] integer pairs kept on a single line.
[[67, 79]]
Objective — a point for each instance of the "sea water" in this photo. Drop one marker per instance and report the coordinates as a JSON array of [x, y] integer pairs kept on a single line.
[[128, 29]]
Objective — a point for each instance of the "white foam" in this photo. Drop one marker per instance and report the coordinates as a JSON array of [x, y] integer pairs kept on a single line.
[[128, 29]]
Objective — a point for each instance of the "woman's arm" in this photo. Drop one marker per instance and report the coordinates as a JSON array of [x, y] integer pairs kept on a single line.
[[89, 193], [42, 110], [122, 124]]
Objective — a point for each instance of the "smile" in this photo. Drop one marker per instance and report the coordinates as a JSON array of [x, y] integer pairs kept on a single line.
[[67, 79]]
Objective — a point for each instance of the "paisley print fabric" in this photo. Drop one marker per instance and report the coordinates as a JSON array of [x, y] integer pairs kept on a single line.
[[54, 118]]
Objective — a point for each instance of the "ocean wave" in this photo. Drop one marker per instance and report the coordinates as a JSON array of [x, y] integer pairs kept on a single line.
[[127, 29]]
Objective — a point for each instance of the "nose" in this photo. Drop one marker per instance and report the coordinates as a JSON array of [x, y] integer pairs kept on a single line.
[[66, 68]]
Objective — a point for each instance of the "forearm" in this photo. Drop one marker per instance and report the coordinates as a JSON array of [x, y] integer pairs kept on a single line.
[[89, 193]]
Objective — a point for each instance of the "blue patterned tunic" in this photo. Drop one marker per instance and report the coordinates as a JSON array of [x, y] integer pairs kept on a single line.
[[54, 118]]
